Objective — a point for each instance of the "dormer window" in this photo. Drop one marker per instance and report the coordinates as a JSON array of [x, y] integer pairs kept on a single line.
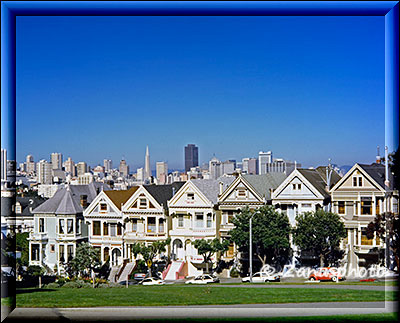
[[357, 181], [190, 196], [41, 225], [296, 186], [142, 203], [103, 207]]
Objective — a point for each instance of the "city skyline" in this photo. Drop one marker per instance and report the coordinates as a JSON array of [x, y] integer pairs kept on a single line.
[[298, 86]]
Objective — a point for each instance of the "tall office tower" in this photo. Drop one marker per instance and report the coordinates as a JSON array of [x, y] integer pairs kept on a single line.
[[69, 166], [4, 164], [56, 160], [263, 159], [81, 168], [30, 165], [107, 165], [147, 170], [228, 167], [140, 174], [44, 172], [123, 168], [191, 157], [215, 168], [161, 171]]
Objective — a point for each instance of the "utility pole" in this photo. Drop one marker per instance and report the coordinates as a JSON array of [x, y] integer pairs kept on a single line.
[[251, 249]]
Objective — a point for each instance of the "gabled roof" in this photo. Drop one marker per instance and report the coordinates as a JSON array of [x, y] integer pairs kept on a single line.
[[67, 199], [335, 177], [28, 204], [162, 193], [210, 187], [120, 197], [315, 179], [265, 182], [377, 172]]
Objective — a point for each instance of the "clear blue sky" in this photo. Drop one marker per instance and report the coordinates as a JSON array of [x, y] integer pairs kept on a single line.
[[307, 88]]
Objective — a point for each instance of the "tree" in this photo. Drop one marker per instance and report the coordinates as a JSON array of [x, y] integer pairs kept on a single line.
[[150, 252], [386, 226], [207, 248], [320, 233], [22, 245], [86, 259], [270, 234]]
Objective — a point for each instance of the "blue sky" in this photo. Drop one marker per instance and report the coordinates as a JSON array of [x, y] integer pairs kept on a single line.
[[307, 88]]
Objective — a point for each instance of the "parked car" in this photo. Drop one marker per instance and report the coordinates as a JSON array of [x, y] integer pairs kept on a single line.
[[152, 281], [203, 279], [130, 282], [262, 277], [325, 273], [139, 276]]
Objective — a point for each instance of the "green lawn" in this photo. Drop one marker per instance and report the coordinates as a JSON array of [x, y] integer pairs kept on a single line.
[[188, 295], [375, 283]]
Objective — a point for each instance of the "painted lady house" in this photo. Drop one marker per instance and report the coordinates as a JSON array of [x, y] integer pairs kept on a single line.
[[362, 193], [59, 226], [193, 215]]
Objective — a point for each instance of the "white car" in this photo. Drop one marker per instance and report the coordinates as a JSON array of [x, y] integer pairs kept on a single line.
[[262, 277], [152, 281], [203, 279]]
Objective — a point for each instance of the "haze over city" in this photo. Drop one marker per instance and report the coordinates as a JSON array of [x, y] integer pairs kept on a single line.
[[306, 88]]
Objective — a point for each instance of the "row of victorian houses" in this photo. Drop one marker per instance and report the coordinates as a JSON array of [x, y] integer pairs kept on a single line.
[[202, 209]]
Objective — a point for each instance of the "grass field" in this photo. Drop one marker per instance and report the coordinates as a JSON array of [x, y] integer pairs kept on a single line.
[[188, 295]]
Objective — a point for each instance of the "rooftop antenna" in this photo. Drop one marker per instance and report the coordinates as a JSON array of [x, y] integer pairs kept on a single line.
[[378, 156], [295, 164], [329, 174]]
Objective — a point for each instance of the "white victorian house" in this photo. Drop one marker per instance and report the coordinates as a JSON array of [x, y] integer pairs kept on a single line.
[[362, 193], [106, 225], [304, 190], [193, 216]]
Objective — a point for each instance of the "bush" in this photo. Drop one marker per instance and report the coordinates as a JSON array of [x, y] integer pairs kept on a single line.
[[52, 285], [234, 273], [76, 284], [110, 285]]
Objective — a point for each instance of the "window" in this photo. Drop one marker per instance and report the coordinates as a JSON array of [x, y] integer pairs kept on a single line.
[[354, 181], [180, 221], [96, 228], [61, 226], [35, 252], [377, 207], [134, 225], [299, 186], [199, 220], [70, 226], [112, 230], [103, 207], [52, 248], [306, 205], [105, 228], [364, 238], [294, 186], [142, 203], [190, 196], [366, 207], [360, 181], [41, 225], [341, 207], [119, 229], [78, 226], [241, 193], [70, 252], [151, 224], [230, 251], [161, 225], [230, 216], [61, 251], [209, 220]]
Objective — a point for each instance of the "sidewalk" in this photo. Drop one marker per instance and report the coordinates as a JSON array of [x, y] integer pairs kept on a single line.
[[206, 311]]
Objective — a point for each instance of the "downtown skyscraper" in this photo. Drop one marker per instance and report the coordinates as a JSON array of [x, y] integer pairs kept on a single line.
[[147, 169], [191, 157]]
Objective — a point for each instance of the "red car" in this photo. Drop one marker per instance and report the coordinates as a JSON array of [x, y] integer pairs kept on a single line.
[[325, 273]]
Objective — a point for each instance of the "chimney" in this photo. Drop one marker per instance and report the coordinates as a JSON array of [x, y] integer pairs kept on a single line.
[[84, 201], [387, 183], [378, 156], [221, 188], [173, 191]]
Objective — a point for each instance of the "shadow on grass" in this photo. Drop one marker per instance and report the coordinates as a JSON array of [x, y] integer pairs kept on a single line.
[[33, 290]]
